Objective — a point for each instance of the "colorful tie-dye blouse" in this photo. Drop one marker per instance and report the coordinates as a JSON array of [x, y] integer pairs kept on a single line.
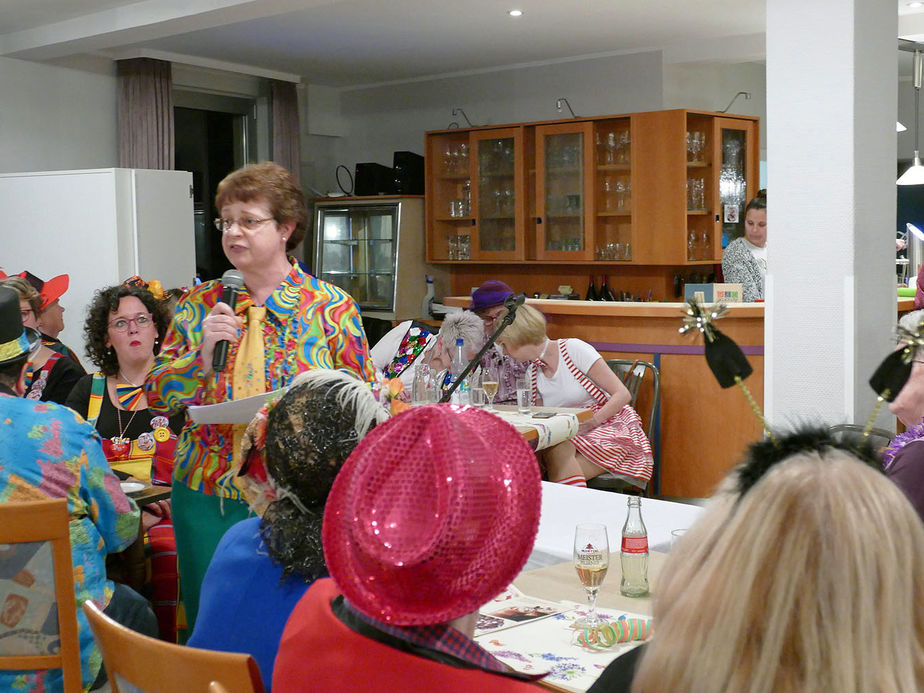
[[48, 451], [309, 324]]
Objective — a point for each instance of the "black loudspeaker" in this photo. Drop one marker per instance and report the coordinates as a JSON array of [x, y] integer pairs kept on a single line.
[[373, 179], [409, 173]]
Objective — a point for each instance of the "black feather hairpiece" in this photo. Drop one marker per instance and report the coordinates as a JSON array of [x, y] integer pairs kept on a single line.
[[727, 362], [765, 454]]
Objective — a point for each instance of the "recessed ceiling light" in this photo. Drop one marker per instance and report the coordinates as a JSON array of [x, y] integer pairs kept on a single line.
[[916, 4], [519, 13]]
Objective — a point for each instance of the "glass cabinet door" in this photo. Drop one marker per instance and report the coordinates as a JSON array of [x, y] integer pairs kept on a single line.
[[449, 197], [356, 249], [497, 195], [564, 190], [737, 175]]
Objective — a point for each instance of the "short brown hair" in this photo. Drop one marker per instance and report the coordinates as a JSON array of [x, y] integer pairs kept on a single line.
[[271, 182], [528, 327], [25, 291]]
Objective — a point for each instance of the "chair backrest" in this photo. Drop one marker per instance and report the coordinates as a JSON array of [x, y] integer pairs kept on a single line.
[[632, 372], [156, 666], [878, 437], [37, 575]]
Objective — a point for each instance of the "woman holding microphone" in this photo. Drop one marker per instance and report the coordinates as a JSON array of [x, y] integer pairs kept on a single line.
[[284, 321]]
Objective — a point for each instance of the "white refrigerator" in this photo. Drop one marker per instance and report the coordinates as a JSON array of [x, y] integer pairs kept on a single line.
[[99, 226]]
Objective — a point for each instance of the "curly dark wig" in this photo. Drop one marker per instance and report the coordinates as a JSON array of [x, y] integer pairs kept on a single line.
[[309, 435], [106, 301]]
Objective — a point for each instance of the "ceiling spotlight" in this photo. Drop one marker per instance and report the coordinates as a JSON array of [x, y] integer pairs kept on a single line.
[[519, 13], [916, 4]]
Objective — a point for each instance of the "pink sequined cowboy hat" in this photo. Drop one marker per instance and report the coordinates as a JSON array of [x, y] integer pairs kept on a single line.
[[433, 514]]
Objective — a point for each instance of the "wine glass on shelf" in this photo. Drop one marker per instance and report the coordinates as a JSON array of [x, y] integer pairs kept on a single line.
[[489, 382], [591, 560]]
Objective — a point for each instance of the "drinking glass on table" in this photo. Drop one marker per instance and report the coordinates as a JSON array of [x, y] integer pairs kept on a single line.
[[489, 382], [591, 560], [524, 395], [477, 391]]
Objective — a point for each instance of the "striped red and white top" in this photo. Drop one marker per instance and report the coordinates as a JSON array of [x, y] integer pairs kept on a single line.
[[619, 444]]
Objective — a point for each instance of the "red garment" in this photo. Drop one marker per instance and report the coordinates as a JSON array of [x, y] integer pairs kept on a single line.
[[320, 653]]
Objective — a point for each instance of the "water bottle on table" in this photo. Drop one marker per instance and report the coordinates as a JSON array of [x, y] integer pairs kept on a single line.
[[634, 554], [461, 395]]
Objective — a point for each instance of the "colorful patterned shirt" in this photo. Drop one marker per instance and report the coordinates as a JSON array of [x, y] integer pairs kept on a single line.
[[309, 324], [48, 451], [509, 369]]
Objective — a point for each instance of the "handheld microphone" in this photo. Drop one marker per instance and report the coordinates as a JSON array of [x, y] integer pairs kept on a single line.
[[514, 301], [232, 282]]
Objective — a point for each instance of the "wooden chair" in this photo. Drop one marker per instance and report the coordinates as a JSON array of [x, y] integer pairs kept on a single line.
[[632, 372], [156, 666], [41, 522]]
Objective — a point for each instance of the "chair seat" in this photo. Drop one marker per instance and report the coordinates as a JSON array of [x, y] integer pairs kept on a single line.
[[608, 481]]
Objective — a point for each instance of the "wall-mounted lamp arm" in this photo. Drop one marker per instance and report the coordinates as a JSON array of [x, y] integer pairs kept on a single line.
[[563, 100], [747, 97], [458, 111]]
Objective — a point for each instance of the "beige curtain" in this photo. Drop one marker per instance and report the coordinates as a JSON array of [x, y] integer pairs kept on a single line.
[[286, 144], [145, 113]]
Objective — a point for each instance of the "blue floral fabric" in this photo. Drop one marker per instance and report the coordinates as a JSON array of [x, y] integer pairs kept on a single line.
[[48, 451]]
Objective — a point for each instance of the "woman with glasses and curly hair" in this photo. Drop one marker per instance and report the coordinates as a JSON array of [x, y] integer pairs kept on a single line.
[[124, 329]]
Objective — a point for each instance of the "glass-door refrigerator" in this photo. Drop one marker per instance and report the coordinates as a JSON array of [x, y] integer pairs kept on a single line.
[[373, 248]]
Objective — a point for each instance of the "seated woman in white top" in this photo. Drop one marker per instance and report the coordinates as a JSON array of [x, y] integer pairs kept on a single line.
[[571, 373], [745, 259], [411, 343]]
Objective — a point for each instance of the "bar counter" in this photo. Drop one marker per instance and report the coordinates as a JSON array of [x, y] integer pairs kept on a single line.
[[700, 429]]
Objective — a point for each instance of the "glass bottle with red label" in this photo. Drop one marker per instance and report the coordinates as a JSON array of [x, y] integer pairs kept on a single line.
[[634, 554]]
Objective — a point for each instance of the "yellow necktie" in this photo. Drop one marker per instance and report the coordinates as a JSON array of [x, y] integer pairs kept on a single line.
[[249, 370]]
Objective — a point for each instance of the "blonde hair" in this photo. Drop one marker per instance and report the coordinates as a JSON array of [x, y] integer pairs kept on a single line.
[[528, 327], [810, 581], [25, 291]]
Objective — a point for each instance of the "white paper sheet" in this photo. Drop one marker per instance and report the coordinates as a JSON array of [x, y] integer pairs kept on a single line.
[[238, 411]]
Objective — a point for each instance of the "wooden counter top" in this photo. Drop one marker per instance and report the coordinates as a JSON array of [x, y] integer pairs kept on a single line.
[[623, 308]]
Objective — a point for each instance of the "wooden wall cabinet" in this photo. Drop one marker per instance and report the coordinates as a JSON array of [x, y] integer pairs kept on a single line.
[[476, 209], [655, 188]]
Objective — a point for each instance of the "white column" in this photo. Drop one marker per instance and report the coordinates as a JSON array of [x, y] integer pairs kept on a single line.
[[830, 299]]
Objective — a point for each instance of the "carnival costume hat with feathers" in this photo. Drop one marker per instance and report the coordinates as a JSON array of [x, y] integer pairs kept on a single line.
[[892, 374], [321, 417], [730, 367], [727, 362]]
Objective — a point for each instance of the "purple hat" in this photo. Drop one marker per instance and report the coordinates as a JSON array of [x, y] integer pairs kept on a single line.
[[491, 293]]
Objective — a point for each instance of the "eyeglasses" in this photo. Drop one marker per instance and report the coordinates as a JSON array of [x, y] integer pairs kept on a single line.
[[142, 320], [245, 224], [492, 316]]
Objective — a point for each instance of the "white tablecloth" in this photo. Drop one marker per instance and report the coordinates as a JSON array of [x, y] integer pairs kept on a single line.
[[565, 506]]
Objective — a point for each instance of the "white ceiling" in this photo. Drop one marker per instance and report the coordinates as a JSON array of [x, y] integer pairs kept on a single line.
[[352, 42]]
